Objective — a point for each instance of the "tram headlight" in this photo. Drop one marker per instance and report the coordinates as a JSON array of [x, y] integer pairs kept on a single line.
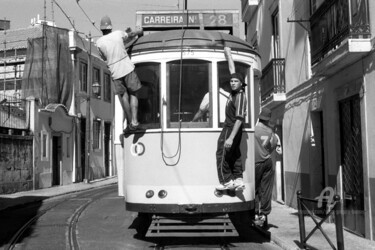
[[162, 194], [149, 194]]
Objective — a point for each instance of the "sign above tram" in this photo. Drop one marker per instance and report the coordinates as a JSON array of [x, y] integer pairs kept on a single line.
[[226, 21], [172, 19]]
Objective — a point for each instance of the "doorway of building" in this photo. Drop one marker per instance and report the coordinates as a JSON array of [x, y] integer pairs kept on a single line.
[[107, 138], [317, 174], [56, 159], [352, 166], [83, 147], [279, 189]]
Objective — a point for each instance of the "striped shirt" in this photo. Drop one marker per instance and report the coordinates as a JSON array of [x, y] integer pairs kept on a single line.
[[236, 108]]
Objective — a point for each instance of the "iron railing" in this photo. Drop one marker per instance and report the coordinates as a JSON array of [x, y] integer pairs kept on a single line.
[[273, 78], [13, 113], [336, 20], [304, 210]]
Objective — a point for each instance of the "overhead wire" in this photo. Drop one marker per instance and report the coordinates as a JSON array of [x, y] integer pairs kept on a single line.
[[84, 12], [68, 17]]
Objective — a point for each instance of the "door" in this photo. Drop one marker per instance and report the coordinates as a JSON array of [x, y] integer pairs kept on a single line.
[[316, 154], [352, 167], [83, 147], [56, 160], [107, 137]]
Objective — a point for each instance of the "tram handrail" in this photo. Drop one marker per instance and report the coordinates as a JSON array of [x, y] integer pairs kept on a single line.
[[336, 209]]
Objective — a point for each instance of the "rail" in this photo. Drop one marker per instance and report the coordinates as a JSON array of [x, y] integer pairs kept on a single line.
[[336, 210], [336, 20], [273, 78], [13, 112]]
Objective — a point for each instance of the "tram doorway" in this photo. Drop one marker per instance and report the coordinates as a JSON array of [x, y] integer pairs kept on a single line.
[[352, 164]]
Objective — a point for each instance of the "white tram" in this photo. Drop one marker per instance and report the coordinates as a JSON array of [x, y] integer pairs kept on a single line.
[[170, 167]]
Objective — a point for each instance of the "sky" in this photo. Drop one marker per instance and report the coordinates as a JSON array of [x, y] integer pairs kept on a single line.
[[83, 13]]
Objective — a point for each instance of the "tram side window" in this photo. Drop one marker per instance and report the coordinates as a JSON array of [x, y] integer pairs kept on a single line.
[[185, 94], [149, 94], [224, 78]]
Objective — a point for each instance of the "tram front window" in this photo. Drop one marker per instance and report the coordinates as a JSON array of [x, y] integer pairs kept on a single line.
[[186, 92], [149, 94]]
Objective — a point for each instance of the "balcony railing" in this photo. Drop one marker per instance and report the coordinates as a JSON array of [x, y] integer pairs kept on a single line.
[[336, 20], [273, 79], [13, 113]]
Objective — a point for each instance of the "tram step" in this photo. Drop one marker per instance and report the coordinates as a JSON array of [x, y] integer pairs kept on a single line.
[[190, 226]]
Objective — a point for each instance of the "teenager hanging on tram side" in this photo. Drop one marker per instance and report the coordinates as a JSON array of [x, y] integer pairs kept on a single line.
[[228, 154], [112, 49]]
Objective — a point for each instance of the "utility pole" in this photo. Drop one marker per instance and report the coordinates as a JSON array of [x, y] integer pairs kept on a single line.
[[88, 118]]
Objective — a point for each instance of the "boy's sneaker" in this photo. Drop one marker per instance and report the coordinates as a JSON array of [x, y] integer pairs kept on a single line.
[[238, 184], [226, 186], [132, 128], [261, 221]]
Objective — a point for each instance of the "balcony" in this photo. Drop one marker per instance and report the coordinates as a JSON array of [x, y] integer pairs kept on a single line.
[[272, 83], [340, 34], [248, 9]]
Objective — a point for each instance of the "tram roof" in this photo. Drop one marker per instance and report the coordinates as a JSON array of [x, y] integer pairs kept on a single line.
[[202, 39]]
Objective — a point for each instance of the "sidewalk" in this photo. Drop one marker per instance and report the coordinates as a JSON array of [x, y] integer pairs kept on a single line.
[[20, 198], [283, 220], [284, 231]]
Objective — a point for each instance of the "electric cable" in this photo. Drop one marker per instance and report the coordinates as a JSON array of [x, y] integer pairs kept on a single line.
[[91, 21], [58, 5]]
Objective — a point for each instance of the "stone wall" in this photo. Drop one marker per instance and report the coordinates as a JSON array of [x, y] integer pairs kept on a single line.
[[16, 163]]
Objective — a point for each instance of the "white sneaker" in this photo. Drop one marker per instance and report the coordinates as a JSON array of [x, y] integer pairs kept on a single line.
[[226, 186], [238, 184]]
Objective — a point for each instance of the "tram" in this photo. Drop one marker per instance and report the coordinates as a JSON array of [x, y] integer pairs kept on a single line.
[[169, 167]]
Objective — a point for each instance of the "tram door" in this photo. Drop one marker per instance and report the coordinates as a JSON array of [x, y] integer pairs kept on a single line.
[[352, 166]]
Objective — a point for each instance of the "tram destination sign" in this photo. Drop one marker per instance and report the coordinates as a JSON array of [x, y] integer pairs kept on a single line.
[[187, 19]]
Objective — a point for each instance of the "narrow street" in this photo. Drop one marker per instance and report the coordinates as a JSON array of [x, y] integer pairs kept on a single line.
[[97, 219]]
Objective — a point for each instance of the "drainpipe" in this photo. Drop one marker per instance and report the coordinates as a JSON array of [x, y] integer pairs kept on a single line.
[[88, 118], [31, 122]]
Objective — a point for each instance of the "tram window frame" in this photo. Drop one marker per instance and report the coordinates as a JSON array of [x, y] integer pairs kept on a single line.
[[151, 100], [224, 78], [187, 116]]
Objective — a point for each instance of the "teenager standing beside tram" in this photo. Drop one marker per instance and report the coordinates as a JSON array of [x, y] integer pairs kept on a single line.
[[266, 141], [228, 154]]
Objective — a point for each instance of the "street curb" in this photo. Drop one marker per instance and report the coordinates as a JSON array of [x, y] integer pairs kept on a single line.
[[57, 194], [277, 240]]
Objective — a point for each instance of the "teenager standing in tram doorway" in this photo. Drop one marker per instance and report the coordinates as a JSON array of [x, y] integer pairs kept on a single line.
[[228, 154], [126, 82]]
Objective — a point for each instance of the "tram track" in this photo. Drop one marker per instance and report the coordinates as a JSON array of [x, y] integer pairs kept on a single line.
[[71, 226], [181, 247]]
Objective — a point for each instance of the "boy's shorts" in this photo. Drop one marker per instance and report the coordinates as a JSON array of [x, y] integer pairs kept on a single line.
[[130, 83]]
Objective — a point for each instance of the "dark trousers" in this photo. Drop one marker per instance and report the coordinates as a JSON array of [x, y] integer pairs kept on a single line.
[[229, 163], [264, 175]]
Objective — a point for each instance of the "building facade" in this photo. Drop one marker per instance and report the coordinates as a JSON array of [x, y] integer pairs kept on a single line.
[[54, 81], [318, 78]]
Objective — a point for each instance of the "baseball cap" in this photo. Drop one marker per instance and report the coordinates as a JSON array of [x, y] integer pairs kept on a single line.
[[265, 114], [239, 77]]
